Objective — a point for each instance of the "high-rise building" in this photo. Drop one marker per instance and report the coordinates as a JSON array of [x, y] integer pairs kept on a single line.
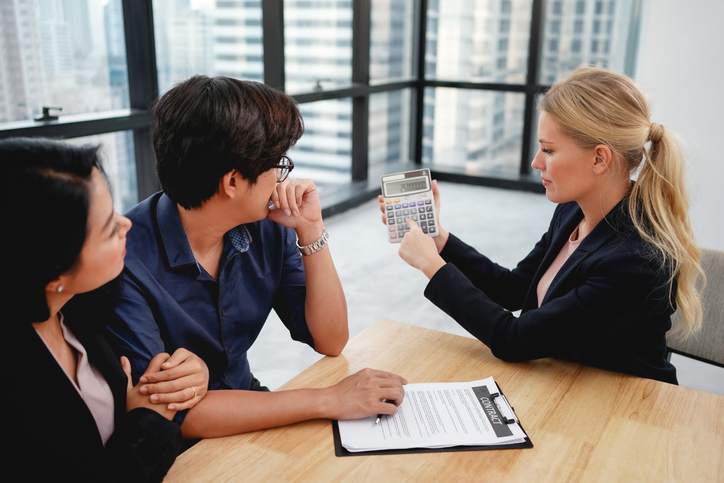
[[484, 40], [72, 54], [487, 40], [391, 50], [21, 64]]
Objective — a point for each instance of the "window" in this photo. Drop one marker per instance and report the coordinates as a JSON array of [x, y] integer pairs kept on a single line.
[[117, 158], [474, 130], [471, 115], [457, 39], [607, 49], [390, 40], [317, 44], [534, 144], [324, 153], [65, 54], [222, 38], [389, 128]]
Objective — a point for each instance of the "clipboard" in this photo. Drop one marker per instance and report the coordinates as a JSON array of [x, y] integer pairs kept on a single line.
[[340, 450]]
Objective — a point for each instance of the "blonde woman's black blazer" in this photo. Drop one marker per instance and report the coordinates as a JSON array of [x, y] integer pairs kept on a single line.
[[608, 306]]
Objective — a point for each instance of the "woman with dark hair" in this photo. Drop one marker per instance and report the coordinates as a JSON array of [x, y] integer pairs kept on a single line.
[[74, 413]]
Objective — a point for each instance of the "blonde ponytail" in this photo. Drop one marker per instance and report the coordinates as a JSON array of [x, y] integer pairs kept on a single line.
[[659, 209], [596, 106]]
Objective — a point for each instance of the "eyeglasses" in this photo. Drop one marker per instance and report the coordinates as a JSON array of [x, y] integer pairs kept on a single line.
[[284, 167]]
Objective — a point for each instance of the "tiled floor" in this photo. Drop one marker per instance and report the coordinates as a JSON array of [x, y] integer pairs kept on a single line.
[[379, 285]]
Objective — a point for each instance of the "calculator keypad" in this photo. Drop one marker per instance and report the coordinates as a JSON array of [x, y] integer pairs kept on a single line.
[[418, 208]]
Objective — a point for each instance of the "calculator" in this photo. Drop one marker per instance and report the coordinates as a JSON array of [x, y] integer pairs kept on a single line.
[[409, 195]]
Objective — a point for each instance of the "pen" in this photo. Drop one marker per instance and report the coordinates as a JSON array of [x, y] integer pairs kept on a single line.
[[379, 416]]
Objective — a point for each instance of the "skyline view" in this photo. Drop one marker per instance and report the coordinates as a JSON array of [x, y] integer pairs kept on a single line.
[[72, 55]]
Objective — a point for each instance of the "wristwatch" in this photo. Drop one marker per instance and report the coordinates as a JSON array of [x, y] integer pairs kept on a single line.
[[315, 246]]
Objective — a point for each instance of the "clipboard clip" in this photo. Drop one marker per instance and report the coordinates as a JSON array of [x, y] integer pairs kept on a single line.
[[493, 397]]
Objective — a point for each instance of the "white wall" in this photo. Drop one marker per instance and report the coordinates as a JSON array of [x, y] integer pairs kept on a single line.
[[681, 70]]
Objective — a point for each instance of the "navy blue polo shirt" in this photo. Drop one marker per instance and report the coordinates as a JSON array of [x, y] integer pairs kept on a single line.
[[167, 300]]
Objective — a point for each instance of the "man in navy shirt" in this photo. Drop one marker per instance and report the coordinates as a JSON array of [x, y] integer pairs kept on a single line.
[[227, 240]]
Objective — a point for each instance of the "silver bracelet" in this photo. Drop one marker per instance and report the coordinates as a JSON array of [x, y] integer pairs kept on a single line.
[[315, 246]]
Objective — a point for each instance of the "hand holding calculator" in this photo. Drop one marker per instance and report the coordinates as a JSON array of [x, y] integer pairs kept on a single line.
[[409, 195]]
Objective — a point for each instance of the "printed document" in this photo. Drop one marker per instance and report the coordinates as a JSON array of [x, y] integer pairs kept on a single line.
[[439, 415]]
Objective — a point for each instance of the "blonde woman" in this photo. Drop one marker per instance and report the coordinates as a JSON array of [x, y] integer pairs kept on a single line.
[[618, 257]]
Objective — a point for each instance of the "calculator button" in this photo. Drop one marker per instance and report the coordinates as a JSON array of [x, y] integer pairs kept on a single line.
[[398, 213], [424, 229], [430, 216], [414, 217], [391, 221], [429, 208], [405, 205], [420, 203], [397, 207], [423, 223], [427, 202], [390, 207], [421, 210]]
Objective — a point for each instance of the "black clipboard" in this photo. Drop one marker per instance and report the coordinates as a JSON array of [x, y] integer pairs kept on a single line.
[[339, 450]]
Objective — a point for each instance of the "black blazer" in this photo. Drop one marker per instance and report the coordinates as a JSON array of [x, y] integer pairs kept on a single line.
[[608, 306], [52, 432]]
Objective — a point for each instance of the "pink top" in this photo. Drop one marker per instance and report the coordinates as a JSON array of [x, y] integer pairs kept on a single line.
[[550, 274], [92, 386]]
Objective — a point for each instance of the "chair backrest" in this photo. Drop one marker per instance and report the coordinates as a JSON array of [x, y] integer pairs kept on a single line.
[[708, 343]]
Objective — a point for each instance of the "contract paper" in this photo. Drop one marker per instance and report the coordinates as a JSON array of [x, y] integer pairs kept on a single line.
[[439, 415]]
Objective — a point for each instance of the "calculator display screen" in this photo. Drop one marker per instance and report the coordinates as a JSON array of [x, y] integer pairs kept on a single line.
[[405, 186]]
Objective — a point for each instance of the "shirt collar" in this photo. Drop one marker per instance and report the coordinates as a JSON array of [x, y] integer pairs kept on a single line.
[[240, 238], [176, 244]]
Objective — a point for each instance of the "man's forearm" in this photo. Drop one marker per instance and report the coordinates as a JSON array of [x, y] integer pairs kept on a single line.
[[325, 305], [228, 412]]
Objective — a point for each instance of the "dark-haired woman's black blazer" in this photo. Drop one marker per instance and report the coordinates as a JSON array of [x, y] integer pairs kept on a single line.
[[52, 432], [608, 306]]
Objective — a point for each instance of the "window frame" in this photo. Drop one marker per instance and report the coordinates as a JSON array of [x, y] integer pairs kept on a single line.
[[143, 90]]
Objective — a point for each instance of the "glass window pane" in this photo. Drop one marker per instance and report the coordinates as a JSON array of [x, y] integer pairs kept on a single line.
[[390, 40], [317, 44], [534, 145], [61, 53], [207, 37], [324, 153], [473, 130], [389, 128], [583, 32], [119, 164], [480, 40]]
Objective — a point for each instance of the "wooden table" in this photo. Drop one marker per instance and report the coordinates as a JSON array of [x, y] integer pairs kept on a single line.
[[586, 424]]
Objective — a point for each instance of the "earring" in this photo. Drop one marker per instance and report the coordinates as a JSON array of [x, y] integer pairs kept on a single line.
[[59, 288]]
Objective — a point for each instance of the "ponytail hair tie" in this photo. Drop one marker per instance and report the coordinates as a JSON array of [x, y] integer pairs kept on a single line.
[[656, 132]]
